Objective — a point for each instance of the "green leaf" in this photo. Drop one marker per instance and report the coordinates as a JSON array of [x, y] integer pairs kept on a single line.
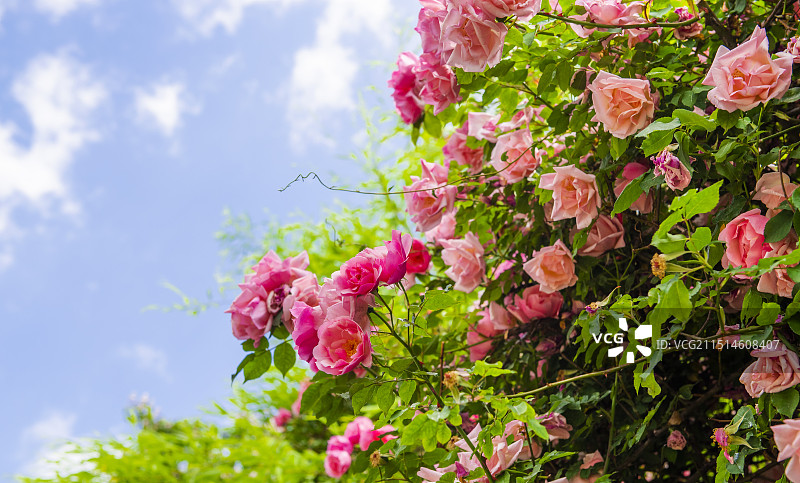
[[432, 125], [258, 366], [768, 313], [663, 124], [245, 361], [547, 78], [385, 396], [280, 332], [484, 369], [438, 300], [792, 95], [527, 39], [406, 391], [751, 305], [657, 141], [677, 301], [700, 239], [629, 195], [778, 226], [618, 146], [361, 398], [704, 201], [727, 119], [796, 199], [692, 120], [669, 243], [284, 357], [786, 401]]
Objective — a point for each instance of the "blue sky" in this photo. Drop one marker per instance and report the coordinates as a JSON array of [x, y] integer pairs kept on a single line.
[[126, 128]]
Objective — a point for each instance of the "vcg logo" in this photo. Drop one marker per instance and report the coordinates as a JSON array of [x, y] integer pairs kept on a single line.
[[641, 333]]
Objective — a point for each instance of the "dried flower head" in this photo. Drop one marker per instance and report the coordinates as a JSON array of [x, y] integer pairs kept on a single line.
[[658, 264]]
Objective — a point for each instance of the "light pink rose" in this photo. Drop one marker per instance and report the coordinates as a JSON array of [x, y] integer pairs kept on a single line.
[[687, 31], [304, 289], [777, 281], [445, 230], [457, 150], [503, 454], [343, 345], [775, 369], [299, 401], [263, 292], [744, 240], [419, 259], [360, 275], [471, 39], [770, 189], [575, 195], [523, 9], [591, 459], [500, 317], [405, 90], [479, 337], [482, 126], [624, 106], [516, 429], [522, 117], [334, 304], [787, 439], [534, 304], [676, 441], [429, 25], [358, 430], [427, 198], [283, 417], [340, 443], [644, 204], [307, 321], [552, 267], [793, 49], [520, 159], [439, 86], [464, 258], [612, 12], [747, 75], [675, 173], [606, 234], [337, 463]]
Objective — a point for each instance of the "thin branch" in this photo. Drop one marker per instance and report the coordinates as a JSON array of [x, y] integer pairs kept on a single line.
[[622, 27]]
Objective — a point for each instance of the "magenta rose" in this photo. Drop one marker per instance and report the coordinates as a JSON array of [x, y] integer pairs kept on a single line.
[[456, 149], [687, 31], [606, 234], [299, 401], [522, 9], [676, 175], [419, 259], [428, 198], [644, 204], [439, 86], [556, 426], [520, 159], [624, 106], [360, 430], [307, 320], [337, 463], [283, 417], [575, 195], [533, 304], [429, 25], [747, 75], [263, 292], [744, 240], [775, 369], [464, 258], [405, 90], [552, 267], [360, 275], [471, 39], [343, 345], [393, 266], [340, 443]]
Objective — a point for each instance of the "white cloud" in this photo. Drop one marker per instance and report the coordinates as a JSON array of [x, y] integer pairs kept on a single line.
[[323, 75], [147, 358], [60, 96], [59, 8], [55, 426], [206, 16], [164, 105], [44, 445]]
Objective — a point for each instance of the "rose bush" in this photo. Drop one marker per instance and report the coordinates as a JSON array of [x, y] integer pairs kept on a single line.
[[594, 277]]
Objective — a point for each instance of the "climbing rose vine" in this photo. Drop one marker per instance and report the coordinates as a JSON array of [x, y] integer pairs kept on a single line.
[[596, 276]]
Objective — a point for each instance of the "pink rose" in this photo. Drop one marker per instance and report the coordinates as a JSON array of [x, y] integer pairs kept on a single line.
[[439, 84], [778, 281], [503, 454], [516, 428], [500, 317], [299, 401], [405, 90], [304, 289], [606, 234], [479, 337], [360, 275], [340, 443], [381, 434], [429, 25], [744, 239], [343, 345], [787, 439], [591, 459], [675, 173], [419, 259], [522, 117], [427, 198], [534, 304], [263, 292], [522, 9], [575, 195], [793, 49], [687, 31], [747, 75], [393, 266], [471, 39], [457, 150], [644, 204], [624, 106], [337, 463], [465, 261], [482, 126], [772, 190], [283, 417], [556, 426], [359, 431], [307, 321], [775, 369], [445, 230], [552, 267], [676, 441], [520, 160]]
